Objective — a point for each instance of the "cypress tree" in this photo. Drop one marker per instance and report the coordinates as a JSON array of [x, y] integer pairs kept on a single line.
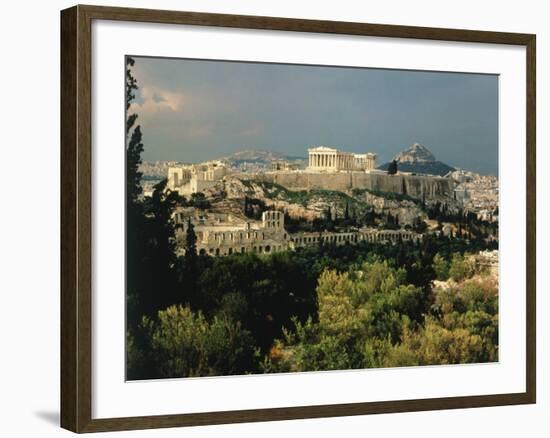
[[190, 241]]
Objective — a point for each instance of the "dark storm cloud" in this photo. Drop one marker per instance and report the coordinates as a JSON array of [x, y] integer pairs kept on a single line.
[[198, 110]]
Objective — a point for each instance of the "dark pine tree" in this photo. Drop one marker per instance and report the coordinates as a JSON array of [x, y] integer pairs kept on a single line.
[[135, 220], [160, 262], [392, 168], [190, 241], [150, 232]]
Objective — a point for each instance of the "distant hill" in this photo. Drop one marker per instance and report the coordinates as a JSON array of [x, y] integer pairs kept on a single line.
[[419, 159], [259, 158]]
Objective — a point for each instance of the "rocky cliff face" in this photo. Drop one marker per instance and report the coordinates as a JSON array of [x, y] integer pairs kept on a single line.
[[228, 197], [416, 186], [406, 211]]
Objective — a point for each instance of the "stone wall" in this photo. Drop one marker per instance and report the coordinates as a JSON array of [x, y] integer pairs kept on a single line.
[[365, 234], [413, 185]]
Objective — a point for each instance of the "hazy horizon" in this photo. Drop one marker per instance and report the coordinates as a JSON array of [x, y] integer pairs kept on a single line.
[[197, 110]]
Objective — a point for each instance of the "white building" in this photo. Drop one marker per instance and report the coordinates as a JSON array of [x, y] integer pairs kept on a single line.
[[188, 179], [323, 158]]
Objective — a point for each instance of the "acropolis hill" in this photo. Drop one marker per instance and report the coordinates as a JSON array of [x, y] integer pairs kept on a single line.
[[413, 185], [327, 168], [263, 202]]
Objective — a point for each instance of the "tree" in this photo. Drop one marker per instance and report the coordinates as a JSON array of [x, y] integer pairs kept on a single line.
[[434, 344], [362, 312], [419, 225], [150, 232], [134, 146], [198, 200], [392, 168], [135, 220], [441, 267], [190, 239], [182, 343], [461, 267], [190, 243], [159, 263]]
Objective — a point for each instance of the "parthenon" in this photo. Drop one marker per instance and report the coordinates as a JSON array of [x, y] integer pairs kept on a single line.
[[330, 159]]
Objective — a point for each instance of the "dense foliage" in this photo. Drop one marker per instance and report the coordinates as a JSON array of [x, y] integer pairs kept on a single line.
[[323, 307]]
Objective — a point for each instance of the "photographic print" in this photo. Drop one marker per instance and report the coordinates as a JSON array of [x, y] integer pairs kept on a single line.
[[294, 218]]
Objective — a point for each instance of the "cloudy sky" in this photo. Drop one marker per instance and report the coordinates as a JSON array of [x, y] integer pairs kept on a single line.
[[193, 110]]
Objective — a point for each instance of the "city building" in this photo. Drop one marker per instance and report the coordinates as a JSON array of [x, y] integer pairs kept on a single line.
[[283, 165], [193, 178]]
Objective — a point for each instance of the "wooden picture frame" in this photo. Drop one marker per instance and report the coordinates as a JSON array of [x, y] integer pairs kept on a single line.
[[76, 217]]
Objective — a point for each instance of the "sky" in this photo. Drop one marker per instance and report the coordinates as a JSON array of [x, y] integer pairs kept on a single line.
[[197, 110]]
